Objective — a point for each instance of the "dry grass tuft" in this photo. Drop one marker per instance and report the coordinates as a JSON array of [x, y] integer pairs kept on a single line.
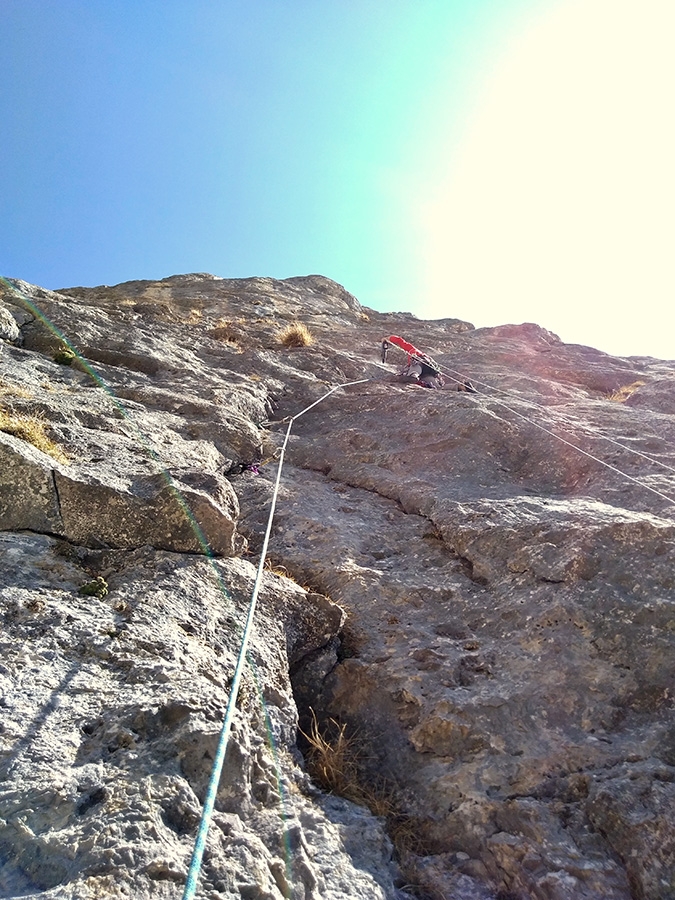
[[624, 392], [297, 334], [333, 760], [226, 331], [278, 570], [194, 316], [336, 761], [7, 389], [33, 430]]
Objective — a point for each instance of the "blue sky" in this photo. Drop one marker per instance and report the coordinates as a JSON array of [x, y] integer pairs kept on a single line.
[[487, 159]]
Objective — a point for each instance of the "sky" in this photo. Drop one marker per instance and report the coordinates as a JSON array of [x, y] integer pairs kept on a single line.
[[498, 161]]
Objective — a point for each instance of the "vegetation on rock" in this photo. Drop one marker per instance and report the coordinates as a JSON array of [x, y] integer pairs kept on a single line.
[[624, 392], [33, 429], [98, 587], [297, 334], [64, 355]]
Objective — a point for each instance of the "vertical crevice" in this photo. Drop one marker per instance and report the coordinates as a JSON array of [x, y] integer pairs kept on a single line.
[[57, 499]]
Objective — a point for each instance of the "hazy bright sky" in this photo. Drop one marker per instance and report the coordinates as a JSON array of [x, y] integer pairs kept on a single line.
[[494, 160]]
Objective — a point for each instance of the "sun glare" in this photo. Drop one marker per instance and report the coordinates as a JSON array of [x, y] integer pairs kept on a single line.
[[558, 205]]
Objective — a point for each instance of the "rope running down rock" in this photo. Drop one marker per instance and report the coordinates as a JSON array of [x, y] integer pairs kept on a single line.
[[212, 789]]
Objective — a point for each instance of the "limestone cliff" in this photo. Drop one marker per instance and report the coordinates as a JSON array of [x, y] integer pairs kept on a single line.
[[475, 590]]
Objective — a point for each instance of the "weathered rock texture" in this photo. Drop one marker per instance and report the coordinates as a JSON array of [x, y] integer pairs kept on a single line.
[[499, 638]]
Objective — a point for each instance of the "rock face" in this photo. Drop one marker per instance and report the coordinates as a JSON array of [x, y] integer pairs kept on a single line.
[[499, 642]]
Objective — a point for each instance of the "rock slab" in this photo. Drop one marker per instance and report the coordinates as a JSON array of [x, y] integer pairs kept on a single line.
[[487, 600]]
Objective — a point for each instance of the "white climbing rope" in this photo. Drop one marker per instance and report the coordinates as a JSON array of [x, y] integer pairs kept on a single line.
[[462, 379], [569, 443], [585, 452], [216, 771], [590, 431]]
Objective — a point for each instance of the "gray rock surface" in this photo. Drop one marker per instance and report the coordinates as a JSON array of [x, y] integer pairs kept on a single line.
[[9, 328], [499, 638]]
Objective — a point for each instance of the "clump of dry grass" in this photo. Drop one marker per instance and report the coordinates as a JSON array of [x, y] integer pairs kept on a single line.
[[332, 759], [297, 334], [624, 392], [33, 430], [336, 760], [13, 390], [227, 331], [278, 570]]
